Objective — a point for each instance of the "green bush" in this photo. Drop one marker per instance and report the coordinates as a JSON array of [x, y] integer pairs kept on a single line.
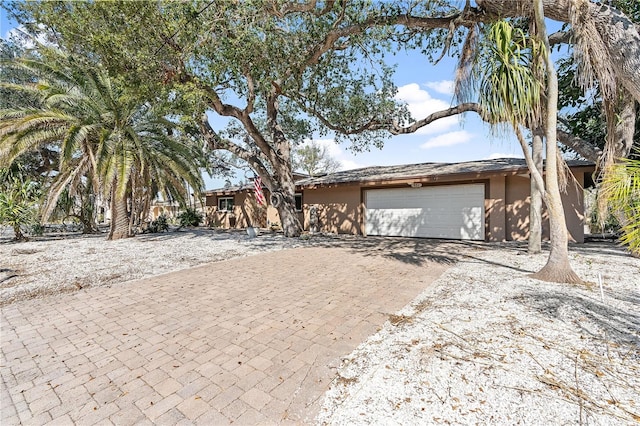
[[18, 202], [37, 229], [161, 224], [190, 217]]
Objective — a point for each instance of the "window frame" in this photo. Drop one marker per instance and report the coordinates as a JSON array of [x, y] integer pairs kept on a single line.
[[298, 196], [226, 200]]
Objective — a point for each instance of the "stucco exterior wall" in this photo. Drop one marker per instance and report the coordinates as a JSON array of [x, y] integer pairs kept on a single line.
[[573, 203], [517, 209], [245, 212], [517, 199], [494, 206], [340, 209]]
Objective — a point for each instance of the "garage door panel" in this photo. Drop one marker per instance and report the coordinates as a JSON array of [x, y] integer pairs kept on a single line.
[[455, 211]]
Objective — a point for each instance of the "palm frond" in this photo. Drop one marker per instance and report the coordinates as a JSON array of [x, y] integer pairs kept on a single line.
[[620, 191]]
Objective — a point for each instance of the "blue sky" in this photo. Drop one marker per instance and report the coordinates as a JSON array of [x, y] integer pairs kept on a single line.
[[426, 89]]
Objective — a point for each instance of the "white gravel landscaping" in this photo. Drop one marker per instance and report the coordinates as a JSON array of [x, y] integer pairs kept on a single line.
[[58, 263], [484, 344], [488, 345]]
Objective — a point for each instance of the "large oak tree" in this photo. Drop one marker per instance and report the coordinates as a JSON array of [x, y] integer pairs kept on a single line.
[[282, 70]]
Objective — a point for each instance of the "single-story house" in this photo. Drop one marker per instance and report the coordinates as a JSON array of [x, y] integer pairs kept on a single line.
[[485, 200]]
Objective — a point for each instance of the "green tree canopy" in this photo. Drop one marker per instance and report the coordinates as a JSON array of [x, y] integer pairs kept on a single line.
[[314, 159], [104, 137], [279, 71]]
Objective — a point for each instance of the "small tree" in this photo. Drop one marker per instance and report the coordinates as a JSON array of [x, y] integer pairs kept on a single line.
[[314, 159], [18, 201]]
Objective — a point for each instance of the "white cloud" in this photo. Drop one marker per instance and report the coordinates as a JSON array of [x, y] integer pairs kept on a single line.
[[350, 164], [443, 86], [448, 139], [421, 104], [496, 155]]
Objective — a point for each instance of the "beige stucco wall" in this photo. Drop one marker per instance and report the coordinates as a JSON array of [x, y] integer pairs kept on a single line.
[[517, 198], [494, 205], [339, 209], [517, 209], [245, 212]]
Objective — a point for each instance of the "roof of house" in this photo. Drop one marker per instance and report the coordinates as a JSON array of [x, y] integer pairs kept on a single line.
[[408, 171], [231, 189]]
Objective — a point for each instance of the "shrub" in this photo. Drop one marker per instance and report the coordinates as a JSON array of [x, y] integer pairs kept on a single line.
[[18, 202], [37, 229], [161, 224], [190, 217]]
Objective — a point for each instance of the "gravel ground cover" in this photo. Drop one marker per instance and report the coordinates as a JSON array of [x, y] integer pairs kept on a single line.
[[484, 344], [66, 262]]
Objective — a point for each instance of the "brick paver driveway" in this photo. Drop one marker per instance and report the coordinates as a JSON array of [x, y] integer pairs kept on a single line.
[[250, 341]]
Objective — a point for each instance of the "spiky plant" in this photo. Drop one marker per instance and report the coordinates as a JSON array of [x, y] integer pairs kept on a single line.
[[19, 196]]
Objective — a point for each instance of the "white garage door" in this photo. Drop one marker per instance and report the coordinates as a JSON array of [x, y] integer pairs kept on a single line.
[[450, 211]]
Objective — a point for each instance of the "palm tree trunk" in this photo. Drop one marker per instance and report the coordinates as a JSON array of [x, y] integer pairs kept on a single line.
[[17, 233], [558, 268], [535, 207], [119, 227]]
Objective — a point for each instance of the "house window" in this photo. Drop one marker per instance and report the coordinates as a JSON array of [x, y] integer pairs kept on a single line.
[[225, 204], [298, 198]]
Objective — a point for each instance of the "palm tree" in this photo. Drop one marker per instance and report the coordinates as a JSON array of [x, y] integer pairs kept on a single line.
[[507, 78], [103, 136]]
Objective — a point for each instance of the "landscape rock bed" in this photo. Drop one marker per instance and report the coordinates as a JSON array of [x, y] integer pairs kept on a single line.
[[486, 344], [68, 262]]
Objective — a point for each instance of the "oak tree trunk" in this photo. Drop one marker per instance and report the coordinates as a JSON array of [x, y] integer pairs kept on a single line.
[[290, 223], [283, 198]]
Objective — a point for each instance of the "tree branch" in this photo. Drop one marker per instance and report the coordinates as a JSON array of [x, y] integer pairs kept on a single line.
[[462, 19], [282, 152], [251, 96], [243, 116], [585, 149], [396, 129], [295, 7], [214, 141], [560, 37]]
